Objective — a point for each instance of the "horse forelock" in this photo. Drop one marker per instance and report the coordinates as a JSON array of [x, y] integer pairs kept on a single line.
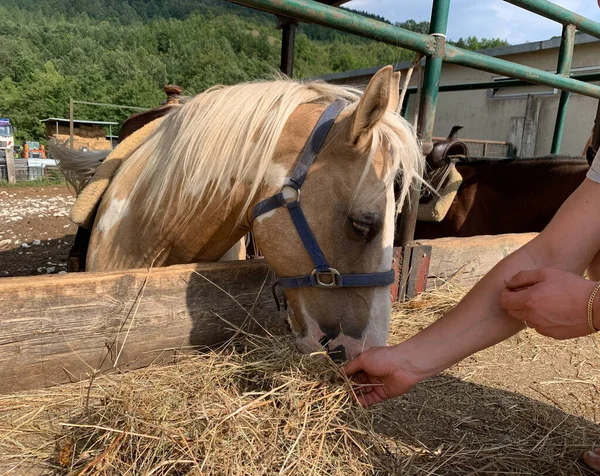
[[227, 136]]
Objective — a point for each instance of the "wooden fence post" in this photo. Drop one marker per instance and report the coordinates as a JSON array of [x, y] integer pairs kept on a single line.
[[10, 166]]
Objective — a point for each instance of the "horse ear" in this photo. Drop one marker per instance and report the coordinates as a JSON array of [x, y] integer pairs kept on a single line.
[[375, 101]]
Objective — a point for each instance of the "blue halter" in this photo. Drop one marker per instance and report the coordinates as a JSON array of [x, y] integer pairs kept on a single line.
[[323, 276]]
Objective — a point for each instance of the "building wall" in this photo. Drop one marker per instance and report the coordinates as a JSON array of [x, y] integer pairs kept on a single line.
[[489, 118]]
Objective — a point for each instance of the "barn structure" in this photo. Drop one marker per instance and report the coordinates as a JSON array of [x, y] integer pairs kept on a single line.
[[89, 134]]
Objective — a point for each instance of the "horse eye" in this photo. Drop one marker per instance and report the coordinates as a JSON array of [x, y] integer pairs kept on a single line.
[[361, 229]]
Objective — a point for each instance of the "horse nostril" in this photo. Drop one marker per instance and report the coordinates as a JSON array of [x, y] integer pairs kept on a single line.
[[338, 354]]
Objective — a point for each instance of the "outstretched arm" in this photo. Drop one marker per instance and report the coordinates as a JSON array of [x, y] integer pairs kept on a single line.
[[568, 243]]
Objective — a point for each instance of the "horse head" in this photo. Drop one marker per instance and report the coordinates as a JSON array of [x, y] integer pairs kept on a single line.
[[348, 201]]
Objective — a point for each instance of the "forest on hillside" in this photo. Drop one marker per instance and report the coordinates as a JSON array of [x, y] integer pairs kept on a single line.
[[123, 52]]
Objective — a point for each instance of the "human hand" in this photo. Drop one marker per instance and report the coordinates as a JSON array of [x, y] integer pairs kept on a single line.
[[380, 374], [551, 301]]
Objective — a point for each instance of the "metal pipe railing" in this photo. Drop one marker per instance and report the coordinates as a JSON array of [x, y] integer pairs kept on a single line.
[[437, 51], [429, 95], [310, 11], [343, 20], [501, 83], [565, 60], [559, 14], [491, 64]]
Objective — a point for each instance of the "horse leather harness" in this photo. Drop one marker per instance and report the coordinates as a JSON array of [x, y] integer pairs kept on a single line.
[[323, 276]]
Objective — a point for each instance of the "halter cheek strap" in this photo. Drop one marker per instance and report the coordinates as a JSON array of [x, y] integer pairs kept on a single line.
[[323, 276]]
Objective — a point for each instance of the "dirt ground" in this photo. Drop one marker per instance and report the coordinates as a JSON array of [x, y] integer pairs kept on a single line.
[[530, 405], [35, 231]]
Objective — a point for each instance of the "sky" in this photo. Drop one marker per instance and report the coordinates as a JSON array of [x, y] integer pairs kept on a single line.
[[481, 18]]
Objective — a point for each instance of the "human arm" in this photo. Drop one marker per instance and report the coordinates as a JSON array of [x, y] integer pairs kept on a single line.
[[568, 243]]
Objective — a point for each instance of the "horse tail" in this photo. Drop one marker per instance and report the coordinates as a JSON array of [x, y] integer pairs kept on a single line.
[[78, 166]]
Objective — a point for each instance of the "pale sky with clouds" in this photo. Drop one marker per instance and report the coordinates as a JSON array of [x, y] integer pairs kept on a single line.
[[481, 18]]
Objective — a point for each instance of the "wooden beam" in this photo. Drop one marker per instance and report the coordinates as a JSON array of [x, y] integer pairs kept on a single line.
[[10, 166], [288, 40], [465, 261], [71, 128], [61, 328]]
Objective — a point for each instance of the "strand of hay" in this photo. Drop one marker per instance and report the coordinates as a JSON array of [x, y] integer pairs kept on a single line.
[[257, 407]]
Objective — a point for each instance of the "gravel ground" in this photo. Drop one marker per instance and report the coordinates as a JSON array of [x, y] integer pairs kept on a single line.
[[35, 231]]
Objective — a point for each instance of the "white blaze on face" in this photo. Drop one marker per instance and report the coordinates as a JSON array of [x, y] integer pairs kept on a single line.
[[312, 333], [116, 210], [377, 331]]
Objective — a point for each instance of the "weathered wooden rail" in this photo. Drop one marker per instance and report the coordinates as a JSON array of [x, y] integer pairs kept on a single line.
[[63, 328]]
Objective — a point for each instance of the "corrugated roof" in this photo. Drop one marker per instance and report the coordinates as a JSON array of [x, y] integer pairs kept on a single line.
[[80, 121]]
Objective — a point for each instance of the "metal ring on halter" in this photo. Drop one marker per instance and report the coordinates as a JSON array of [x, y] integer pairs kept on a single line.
[[290, 200], [335, 277]]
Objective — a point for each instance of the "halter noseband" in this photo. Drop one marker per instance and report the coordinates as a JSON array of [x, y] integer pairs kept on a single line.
[[333, 278]]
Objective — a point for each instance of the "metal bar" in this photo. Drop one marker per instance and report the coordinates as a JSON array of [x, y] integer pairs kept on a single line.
[[427, 106], [343, 20], [483, 62], [502, 83], [559, 14], [111, 105], [71, 122], [288, 38], [478, 141], [565, 60]]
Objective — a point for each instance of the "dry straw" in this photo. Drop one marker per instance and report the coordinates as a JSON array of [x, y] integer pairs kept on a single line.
[[256, 407]]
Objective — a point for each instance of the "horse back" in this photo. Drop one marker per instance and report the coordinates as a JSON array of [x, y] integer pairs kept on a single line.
[[508, 196]]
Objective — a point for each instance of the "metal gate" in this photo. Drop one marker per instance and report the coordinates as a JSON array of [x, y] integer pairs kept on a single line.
[[437, 51]]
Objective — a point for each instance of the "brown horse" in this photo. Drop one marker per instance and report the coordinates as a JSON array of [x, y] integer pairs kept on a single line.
[[231, 148], [507, 196]]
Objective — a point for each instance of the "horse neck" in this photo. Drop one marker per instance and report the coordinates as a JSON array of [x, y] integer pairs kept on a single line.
[[211, 233]]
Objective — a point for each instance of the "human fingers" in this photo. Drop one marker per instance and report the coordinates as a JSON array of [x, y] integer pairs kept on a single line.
[[592, 458], [354, 366], [371, 398], [514, 300], [525, 278]]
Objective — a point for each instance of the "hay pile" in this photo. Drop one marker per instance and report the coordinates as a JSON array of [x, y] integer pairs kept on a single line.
[[257, 407]]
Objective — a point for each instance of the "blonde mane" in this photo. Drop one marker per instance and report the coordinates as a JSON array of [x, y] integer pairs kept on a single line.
[[226, 137]]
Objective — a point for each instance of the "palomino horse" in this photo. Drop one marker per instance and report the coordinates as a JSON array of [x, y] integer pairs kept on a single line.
[[239, 158]]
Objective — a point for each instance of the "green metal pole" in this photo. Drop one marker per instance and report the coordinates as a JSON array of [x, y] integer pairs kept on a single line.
[[565, 59], [343, 20], [321, 14], [427, 106], [559, 14], [503, 83], [483, 62]]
